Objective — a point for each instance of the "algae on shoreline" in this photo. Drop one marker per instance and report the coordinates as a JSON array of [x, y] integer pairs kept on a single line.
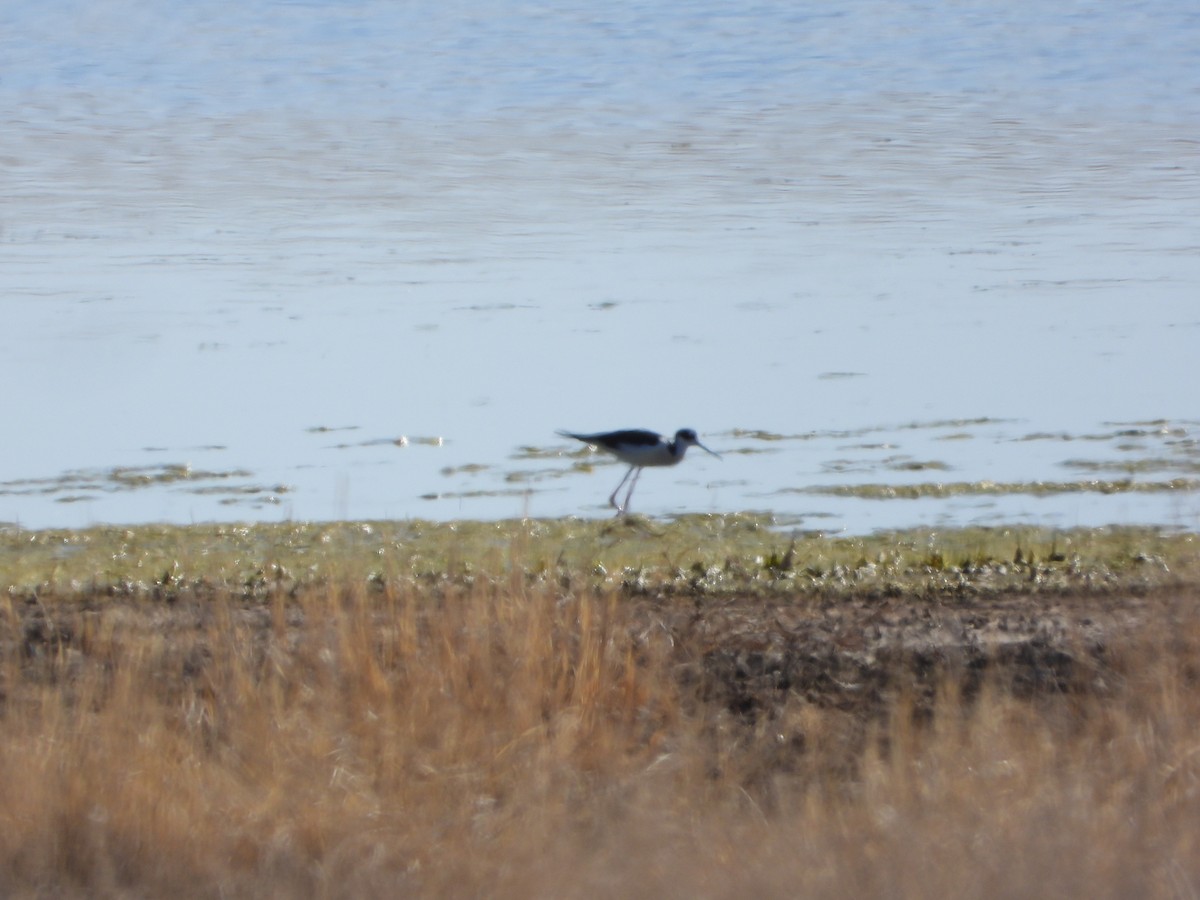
[[702, 555]]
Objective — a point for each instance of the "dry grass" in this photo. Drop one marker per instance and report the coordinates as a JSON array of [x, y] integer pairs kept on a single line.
[[514, 741]]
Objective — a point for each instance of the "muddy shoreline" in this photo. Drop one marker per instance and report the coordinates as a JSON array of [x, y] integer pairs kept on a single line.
[[748, 654]]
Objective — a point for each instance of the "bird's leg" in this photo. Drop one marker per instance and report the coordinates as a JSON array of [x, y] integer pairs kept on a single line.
[[612, 500], [636, 475]]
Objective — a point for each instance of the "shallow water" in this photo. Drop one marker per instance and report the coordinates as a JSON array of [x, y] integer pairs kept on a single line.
[[358, 260]]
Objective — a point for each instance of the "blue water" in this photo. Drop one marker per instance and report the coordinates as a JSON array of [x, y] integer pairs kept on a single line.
[[616, 63], [363, 259]]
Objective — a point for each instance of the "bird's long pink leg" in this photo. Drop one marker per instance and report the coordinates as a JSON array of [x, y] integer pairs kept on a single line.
[[637, 474], [612, 500]]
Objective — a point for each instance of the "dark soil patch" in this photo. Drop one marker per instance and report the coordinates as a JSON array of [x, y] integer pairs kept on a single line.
[[860, 654]]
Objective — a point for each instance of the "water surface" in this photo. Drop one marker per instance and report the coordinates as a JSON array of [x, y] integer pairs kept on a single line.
[[328, 260]]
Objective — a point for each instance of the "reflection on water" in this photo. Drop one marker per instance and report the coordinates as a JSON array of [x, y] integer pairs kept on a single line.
[[368, 272]]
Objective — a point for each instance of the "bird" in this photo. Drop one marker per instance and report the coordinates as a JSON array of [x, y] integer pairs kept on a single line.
[[640, 448]]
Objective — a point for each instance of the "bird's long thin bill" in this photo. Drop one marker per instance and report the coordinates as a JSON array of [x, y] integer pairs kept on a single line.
[[713, 452]]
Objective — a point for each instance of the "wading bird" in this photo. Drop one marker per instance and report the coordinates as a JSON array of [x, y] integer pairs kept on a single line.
[[640, 449]]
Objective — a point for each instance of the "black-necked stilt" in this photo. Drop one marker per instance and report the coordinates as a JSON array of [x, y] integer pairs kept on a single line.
[[640, 449]]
